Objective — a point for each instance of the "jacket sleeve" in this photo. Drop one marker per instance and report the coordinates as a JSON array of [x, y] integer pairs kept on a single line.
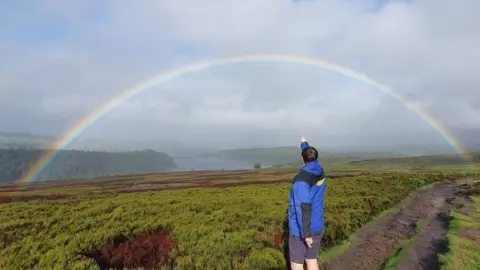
[[303, 207], [304, 145]]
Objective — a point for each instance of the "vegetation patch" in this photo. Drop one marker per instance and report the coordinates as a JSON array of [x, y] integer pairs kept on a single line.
[[463, 239], [474, 189], [10, 199], [148, 251], [215, 228]]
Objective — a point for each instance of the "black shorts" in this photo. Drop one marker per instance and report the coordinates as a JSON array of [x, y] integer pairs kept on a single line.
[[299, 251]]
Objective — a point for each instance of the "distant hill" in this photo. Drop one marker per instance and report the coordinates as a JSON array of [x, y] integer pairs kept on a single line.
[[82, 164], [291, 155]]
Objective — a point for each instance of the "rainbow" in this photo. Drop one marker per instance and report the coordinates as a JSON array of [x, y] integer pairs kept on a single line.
[[105, 108]]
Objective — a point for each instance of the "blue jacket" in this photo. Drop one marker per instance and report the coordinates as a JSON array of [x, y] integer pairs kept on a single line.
[[305, 211]]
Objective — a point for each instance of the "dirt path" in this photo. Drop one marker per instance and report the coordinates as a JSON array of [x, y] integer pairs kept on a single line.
[[431, 240], [380, 240]]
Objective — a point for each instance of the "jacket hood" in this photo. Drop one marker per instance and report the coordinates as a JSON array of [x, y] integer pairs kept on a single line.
[[313, 167]]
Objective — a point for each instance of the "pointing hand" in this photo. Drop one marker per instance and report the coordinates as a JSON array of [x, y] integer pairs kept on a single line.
[[302, 140]]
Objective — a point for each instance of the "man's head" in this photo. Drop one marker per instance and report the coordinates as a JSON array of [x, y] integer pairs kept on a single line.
[[309, 154]]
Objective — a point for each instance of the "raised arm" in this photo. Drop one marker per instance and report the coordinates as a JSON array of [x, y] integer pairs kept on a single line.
[[303, 143]]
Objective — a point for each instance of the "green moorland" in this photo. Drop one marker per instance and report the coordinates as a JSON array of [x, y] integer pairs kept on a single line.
[[235, 223], [222, 228]]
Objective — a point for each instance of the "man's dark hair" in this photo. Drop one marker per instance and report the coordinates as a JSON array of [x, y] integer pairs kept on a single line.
[[309, 154]]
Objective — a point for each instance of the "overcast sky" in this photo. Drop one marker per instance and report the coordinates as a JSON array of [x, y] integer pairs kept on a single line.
[[59, 60]]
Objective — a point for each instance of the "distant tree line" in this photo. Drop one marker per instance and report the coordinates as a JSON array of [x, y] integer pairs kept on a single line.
[[81, 164]]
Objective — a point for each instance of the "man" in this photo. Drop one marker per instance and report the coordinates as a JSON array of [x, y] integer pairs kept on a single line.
[[305, 211]]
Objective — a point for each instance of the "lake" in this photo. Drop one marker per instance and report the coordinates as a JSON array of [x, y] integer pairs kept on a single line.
[[211, 163]]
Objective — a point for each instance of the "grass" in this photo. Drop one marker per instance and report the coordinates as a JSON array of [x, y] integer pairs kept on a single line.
[[463, 253], [221, 228], [397, 258]]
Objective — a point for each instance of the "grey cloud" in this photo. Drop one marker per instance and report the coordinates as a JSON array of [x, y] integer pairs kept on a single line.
[[409, 45]]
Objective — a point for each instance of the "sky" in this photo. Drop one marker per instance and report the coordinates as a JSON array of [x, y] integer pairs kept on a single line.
[[62, 59]]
